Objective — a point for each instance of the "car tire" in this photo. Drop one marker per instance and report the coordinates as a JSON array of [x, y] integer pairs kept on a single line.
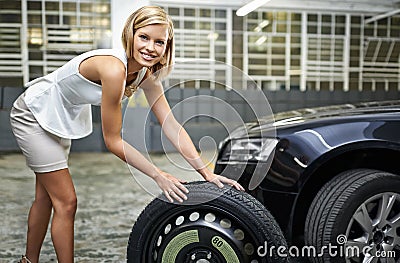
[[229, 226], [343, 222]]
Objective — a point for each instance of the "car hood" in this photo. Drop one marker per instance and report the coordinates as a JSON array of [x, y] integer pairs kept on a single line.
[[268, 125]]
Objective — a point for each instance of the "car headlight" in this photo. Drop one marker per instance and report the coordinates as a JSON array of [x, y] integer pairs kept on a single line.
[[250, 149]]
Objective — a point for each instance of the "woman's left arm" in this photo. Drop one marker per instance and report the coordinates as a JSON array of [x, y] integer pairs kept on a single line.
[[177, 135]]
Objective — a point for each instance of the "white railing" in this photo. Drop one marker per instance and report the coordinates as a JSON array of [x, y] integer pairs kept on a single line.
[[10, 50]]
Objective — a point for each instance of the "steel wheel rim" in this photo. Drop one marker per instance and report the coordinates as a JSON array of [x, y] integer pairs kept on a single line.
[[374, 228], [203, 234]]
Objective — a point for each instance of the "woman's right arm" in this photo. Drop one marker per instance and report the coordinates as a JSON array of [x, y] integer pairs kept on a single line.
[[112, 77]]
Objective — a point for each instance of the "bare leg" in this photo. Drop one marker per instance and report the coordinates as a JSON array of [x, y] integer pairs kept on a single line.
[[38, 221], [61, 191]]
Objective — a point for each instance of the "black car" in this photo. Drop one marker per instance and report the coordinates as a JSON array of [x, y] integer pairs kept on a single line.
[[330, 176]]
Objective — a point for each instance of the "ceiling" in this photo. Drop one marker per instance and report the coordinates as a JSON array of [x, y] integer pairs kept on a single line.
[[363, 6]]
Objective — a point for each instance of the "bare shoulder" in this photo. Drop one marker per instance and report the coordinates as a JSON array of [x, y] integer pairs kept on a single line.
[[102, 68], [110, 67]]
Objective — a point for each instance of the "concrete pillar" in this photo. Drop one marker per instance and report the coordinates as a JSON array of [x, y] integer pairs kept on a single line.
[[304, 53]]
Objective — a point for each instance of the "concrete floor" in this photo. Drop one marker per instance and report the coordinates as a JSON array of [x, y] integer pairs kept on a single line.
[[110, 199]]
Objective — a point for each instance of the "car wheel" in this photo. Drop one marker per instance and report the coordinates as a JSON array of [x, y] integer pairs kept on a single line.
[[229, 226], [355, 217]]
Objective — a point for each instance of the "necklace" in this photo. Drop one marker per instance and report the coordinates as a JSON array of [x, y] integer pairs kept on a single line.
[[131, 73]]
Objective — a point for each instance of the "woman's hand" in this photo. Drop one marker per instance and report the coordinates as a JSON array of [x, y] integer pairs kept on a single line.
[[220, 180], [171, 186]]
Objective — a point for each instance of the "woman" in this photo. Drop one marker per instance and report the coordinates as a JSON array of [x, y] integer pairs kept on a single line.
[[56, 108]]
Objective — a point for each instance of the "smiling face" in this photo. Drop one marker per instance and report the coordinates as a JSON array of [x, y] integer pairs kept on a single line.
[[148, 40], [149, 44]]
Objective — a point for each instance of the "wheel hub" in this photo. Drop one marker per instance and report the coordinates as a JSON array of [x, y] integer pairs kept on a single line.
[[378, 237], [382, 239]]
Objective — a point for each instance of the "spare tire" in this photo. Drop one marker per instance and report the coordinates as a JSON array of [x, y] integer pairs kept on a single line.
[[213, 225]]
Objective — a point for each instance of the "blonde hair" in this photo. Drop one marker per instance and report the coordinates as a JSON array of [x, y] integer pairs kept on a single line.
[[144, 16]]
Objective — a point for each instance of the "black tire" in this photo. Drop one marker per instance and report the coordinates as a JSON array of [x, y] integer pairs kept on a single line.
[[230, 228], [335, 214]]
